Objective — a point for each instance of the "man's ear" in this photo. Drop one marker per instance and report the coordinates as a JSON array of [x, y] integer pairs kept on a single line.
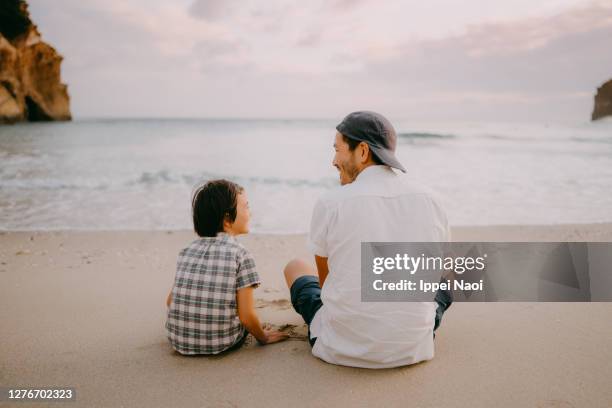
[[364, 150]]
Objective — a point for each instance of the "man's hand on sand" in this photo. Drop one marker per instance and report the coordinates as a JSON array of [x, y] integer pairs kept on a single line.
[[274, 336]]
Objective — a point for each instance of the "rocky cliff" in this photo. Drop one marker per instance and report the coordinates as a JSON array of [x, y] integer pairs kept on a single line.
[[30, 83], [603, 101]]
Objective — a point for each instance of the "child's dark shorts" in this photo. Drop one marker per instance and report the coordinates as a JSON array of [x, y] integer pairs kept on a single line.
[[306, 299]]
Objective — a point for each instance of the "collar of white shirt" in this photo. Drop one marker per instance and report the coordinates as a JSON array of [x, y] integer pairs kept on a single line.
[[374, 171]]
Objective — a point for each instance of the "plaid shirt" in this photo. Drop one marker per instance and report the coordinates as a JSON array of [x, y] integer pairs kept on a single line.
[[202, 317]]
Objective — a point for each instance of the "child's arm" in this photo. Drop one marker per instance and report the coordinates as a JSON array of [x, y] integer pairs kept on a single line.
[[248, 317]]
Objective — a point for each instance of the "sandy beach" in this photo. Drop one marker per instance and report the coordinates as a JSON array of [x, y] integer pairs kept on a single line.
[[86, 310]]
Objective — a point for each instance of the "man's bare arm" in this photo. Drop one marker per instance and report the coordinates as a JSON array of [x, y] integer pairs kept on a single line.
[[322, 269]]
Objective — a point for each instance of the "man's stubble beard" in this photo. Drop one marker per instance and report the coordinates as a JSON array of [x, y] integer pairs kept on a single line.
[[351, 172]]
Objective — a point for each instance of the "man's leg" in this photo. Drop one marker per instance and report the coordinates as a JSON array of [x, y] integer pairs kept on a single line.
[[297, 268], [305, 290], [444, 299]]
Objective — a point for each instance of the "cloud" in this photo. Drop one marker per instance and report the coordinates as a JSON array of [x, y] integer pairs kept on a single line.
[[211, 9], [562, 53], [309, 39], [536, 33], [345, 5], [289, 58]]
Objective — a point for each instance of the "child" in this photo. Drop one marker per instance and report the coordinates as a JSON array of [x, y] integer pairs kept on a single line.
[[210, 307]]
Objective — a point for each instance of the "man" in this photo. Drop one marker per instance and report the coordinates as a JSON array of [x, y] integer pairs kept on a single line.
[[373, 203]]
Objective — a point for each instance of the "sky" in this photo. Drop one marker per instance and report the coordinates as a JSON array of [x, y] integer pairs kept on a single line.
[[421, 60]]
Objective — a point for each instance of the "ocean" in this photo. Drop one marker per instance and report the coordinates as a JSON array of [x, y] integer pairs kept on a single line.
[[139, 174]]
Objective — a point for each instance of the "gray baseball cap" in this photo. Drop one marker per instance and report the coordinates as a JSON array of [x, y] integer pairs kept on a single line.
[[374, 129]]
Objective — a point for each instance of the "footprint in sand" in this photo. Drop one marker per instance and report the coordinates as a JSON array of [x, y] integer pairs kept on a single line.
[[270, 290], [277, 304], [295, 332]]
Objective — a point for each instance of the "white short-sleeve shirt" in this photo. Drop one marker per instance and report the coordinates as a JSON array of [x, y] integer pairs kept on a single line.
[[379, 205]]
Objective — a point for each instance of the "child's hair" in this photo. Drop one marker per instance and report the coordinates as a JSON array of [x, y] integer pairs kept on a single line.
[[212, 203]]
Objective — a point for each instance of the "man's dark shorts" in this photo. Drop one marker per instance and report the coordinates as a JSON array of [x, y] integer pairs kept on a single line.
[[306, 299]]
